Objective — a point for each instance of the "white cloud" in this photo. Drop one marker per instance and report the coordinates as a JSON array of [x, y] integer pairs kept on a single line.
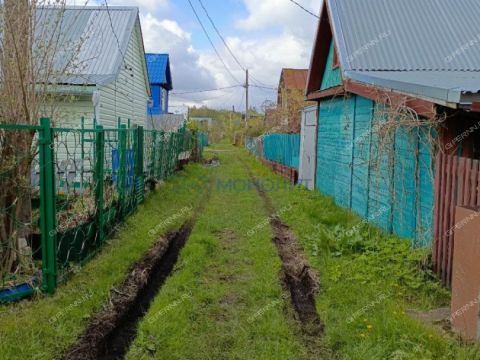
[[275, 13], [287, 42], [273, 35], [188, 72]]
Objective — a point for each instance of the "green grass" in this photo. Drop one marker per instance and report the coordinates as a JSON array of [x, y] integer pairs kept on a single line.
[[29, 329], [369, 280], [225, 300]]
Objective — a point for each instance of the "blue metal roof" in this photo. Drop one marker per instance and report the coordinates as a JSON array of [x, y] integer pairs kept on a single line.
[[159, 70], [429, 48]]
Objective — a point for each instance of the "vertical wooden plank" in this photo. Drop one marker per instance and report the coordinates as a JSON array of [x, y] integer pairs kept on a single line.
[[446, 216], [442, 202], [466, 186], [473, 184], [437, 212], [455, 180], [460, 181], [477, 202]]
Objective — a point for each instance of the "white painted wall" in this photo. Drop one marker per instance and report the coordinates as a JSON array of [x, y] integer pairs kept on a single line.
[[127, 97]]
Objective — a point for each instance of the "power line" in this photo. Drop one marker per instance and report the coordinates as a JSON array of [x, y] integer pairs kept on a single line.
[[244, 68], [264, 87], [204, 91], [221, 37], [211, 42], [304, 9], [187, 97], [113, 31]]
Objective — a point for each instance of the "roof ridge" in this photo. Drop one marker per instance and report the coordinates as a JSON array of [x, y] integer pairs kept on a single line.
[[78, 7]]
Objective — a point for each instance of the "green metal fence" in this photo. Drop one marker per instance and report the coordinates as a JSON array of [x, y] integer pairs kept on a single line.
[[83, 182]]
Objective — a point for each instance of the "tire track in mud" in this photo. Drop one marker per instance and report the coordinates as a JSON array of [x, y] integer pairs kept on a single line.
[[300, 279], [111, 332]]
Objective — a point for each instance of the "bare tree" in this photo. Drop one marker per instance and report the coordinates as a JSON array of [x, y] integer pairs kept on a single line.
[[17, 93], [286, 116], [32, 40]]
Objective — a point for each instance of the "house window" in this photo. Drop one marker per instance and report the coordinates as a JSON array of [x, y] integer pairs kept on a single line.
[[336, 60]]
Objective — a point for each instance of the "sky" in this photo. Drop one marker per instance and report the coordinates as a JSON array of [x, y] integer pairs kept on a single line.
[[264, 35]]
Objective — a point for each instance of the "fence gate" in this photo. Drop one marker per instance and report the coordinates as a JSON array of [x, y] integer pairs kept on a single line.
[[308, 148], [457, 183]]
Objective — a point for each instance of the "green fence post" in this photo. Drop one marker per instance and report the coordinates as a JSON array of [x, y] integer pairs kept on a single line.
[[99, 182], [82, 149], [48, 218], [122, 173], [170, 154], [161, 155], [139, 179], [154, 154]]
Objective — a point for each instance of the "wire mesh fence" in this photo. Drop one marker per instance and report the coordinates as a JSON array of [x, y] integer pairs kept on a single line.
[[64, 190]]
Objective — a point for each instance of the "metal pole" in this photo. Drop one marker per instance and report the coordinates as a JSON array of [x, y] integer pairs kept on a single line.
[[48, 216], [99, 182], [122, 171]]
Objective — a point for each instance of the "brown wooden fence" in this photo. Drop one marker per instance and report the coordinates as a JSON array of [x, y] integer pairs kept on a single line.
[[457, 183]]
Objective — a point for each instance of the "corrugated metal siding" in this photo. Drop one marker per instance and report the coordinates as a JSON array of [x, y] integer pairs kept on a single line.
[[166, 122], [127, 97], [332, 77], [388, 182], [283, 149], [407, 34], [103, 37]]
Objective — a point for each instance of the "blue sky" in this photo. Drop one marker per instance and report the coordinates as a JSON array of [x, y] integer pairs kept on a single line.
[[265, 35]]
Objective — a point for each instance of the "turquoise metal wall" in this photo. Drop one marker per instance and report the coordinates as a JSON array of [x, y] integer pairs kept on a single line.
[[388, 182], [283, 149]]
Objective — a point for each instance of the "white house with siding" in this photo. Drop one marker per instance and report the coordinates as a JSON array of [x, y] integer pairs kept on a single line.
[[109, 79]]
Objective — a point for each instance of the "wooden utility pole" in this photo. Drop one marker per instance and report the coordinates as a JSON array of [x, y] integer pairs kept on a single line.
[[247, 117]]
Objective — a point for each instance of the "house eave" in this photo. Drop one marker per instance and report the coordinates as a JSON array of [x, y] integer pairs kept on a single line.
[[445, 97]]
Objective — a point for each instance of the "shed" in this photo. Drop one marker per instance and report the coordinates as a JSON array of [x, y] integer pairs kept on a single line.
[[398, 101], [110, 80]]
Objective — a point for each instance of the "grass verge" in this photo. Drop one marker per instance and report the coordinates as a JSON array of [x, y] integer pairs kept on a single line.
[[369, 280], [46, 326]]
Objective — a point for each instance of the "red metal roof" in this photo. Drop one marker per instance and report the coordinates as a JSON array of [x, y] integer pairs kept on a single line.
[[294, 78]]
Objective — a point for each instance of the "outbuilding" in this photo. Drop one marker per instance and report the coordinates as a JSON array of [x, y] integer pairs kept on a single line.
[[397, 89], [110, 79]]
